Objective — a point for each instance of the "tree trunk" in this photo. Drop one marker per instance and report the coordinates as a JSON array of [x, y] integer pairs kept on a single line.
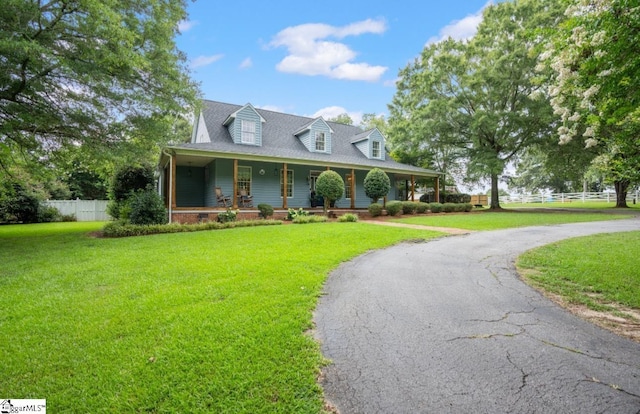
[[621, 193], [495, 196]]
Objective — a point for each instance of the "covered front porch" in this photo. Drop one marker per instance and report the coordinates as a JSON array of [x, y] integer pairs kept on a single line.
[[189, 179]]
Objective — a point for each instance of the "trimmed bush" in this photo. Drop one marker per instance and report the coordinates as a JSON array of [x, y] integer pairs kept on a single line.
[[375, 209], [448, 207], [123, 229], [376, 184], [266, 210], [309, 219], [409, 207], [394, 207], [468, 207], [348, 218], [330, 186], [147, 208], [435, 207], [421, 207]]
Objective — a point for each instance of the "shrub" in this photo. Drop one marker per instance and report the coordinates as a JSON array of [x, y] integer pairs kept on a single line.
[[309, 219], [409, 207], [266, 210], [48, 214], [457, 198], [468, 207], [293, 213], [124, 229], [119, 210], [394, 207], [17, 203], [421, 207], [68, 217], [227, 216], [147, 208], [448, 207], [375, 209], [330, 186], [376, 184], [348, 218], [130, 179], [435, 207], [424, 198]]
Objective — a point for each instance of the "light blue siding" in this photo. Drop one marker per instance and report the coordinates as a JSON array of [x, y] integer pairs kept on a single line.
[[308, 137], [235, 127]]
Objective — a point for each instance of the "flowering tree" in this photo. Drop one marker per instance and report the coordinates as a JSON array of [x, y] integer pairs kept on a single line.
[[594, 62]]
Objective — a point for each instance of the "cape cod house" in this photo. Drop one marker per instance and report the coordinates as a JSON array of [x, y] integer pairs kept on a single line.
[[241, 156]]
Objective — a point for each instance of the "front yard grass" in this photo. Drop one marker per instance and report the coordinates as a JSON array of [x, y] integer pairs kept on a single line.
[[601, 271], [212, 321], [489, 220]]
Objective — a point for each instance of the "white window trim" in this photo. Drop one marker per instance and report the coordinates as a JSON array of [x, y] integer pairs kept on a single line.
[[293, 180], [247, 129], [324, 141], [373, 149]]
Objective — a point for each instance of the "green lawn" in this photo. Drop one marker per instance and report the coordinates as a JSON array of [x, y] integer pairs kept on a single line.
[[488, 220], [595, 271], [212, 321]]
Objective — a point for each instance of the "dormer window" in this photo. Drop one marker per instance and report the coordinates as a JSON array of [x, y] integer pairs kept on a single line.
[[320, 141], [375, 149], [248, 132]]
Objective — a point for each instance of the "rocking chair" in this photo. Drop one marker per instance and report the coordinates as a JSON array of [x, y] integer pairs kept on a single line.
[[223, 200], [244, 199]]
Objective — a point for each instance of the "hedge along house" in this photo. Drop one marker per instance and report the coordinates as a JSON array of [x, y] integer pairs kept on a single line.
[[271, 158]]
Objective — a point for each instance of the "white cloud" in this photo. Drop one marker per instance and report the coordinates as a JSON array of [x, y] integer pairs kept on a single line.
[[333, 111], [185, 25], [311, 54], [201, 61], [391, 82], [247, 63], [463, 29]]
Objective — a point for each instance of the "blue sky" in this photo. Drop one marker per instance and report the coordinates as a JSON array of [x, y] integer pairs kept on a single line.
[[315, 58]]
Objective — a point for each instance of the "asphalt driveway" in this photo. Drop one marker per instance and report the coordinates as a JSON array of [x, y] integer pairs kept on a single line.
[[447, 326]]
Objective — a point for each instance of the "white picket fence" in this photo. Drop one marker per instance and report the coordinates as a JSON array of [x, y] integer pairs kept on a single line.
[[584, 197], [84, 210]]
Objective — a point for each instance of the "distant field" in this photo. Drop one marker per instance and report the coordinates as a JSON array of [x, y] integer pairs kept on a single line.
[[488, 220], [593, 205]]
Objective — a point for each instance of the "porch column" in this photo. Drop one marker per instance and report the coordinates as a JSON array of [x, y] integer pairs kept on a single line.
[[234, 192], [173, 181], [413, 187], [353, 189], [437, 188], [284, 185]]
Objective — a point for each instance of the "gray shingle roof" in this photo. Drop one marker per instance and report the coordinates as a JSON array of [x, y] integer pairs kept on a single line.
[[278, 140]]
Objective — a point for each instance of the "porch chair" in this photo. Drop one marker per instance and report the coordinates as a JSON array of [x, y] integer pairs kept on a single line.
[[223, 200], [245, 200]]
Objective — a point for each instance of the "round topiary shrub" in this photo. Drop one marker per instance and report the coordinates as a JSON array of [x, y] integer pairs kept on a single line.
[[147, 208], [375, 209], [448, 207], [435, 207], [409, 207], [376, 184], [422, 208], [330, 186], [266, 210], [468, 207], [394, 207]]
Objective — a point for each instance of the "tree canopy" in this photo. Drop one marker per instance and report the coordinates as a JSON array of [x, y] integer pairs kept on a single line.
[[102, 76], [476, 102], [595, 61]]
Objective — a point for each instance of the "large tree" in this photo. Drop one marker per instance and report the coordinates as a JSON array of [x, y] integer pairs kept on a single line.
[[476, 101], [595, 58], [103, 76]]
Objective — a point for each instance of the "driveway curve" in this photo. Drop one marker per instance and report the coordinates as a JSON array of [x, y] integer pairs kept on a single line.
[[447, 326]]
